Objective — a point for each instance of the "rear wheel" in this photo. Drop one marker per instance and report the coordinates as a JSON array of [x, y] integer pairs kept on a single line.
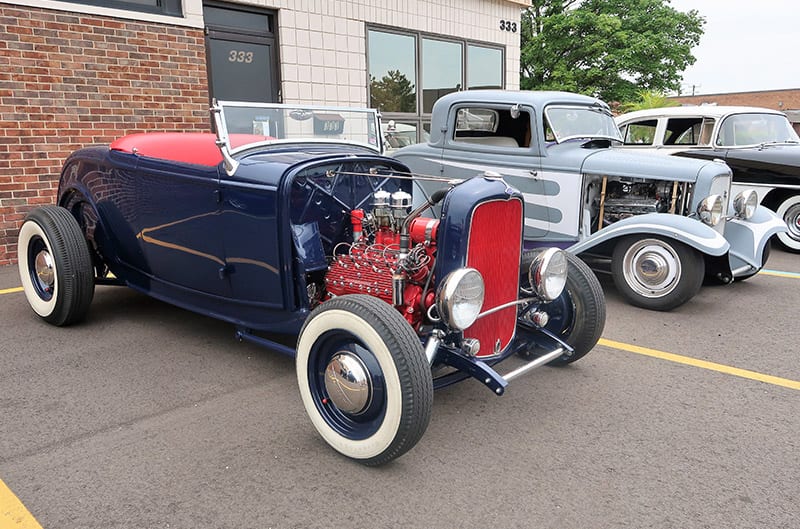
[[55, 266], [656, 273], [578, 316], [789, 211], [364, 378]]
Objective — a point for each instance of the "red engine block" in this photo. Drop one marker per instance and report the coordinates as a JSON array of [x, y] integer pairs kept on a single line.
[[369, 269]]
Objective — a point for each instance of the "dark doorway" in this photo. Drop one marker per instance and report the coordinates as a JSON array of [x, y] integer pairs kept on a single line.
[[242, 53]]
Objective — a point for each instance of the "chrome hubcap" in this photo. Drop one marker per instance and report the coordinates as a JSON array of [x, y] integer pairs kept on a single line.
[[44, 269], [792, 219], [348, 383], [652, 269]]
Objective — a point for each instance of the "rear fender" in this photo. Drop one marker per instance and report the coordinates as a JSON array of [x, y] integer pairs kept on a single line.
[[689, 231]]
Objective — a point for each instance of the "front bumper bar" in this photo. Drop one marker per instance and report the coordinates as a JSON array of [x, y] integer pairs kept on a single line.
[[483, 372]]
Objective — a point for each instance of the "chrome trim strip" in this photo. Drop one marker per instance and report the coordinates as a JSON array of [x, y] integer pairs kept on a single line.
[[533, 364], [504, 306], [775, 186]]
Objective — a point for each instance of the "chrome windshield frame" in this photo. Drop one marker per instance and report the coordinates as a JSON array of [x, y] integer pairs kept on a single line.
[[560, 138], [228, 151]]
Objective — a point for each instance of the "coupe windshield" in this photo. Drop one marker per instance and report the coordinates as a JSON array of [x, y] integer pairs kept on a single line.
[[242, 124], [754, 129], [565, 122]]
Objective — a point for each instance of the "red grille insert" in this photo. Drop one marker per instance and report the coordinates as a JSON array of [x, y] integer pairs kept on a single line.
[[494, 250]]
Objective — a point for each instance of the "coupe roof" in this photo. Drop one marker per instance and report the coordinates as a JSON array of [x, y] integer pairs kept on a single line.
[[536, 99]]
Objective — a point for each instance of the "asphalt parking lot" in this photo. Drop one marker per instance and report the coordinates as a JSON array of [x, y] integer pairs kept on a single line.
[[147, 416]]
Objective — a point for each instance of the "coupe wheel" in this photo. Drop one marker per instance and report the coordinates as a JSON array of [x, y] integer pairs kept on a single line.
[[789, 211], [656, 273], [578, 316], [55, 266], [364, 378]]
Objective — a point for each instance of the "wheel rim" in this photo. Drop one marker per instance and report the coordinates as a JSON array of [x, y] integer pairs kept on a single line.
[[41, 268], [652, 269], [347, 385], [792, 219]]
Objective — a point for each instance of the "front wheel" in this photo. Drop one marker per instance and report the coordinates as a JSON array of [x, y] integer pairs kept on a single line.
[[55, 266], [364, 378], [656, 273], [578, 316], [789, 211]]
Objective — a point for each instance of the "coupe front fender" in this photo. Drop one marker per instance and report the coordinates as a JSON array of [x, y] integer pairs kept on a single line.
[[748, 238], [689, 231]]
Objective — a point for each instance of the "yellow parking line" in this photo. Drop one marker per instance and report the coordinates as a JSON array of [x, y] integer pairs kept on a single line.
[[779, 273], [13, 514], [735, 371], [10, 290]]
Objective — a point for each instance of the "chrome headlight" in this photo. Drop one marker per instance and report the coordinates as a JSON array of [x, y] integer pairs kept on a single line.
[[459, 298], [548, 273], [710, 210], [745, 204]]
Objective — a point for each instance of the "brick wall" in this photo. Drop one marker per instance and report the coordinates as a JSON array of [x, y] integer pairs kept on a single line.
[[70, 80], [775, 99]]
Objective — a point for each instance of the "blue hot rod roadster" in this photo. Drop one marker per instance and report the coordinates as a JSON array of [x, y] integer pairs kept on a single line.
[[289, 220]]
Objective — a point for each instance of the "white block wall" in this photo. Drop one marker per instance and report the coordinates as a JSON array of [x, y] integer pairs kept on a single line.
[[322, 43], [323, 47]]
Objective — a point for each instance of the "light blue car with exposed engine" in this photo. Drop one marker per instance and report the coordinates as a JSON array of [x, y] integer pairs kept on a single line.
[[659, 225]]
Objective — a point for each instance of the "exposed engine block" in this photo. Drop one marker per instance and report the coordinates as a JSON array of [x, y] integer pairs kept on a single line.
[[364, 269], [391, 257], [628, 198]]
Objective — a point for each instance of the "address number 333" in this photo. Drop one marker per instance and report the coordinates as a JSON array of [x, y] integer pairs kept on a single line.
[[240, 56]]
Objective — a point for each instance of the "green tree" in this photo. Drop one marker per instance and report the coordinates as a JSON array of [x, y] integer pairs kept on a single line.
[[647, 99], [393, 93], [607, 48]]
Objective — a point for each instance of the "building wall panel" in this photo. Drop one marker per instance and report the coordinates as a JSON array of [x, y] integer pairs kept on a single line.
[[71, 80]]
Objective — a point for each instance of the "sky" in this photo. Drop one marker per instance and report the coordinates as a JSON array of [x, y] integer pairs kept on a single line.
[[747, 45]]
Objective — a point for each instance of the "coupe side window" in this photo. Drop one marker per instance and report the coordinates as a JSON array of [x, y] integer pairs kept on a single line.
[[641, 132], [493, 127]]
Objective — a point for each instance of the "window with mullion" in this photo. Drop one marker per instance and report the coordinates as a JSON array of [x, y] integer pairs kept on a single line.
[[408, 72], [159, 7], [484, 67], [442, 70], [392, 72]]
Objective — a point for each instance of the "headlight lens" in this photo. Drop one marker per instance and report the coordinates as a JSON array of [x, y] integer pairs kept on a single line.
[[460, 298], [710, 210], [548, 273], [745, 204]]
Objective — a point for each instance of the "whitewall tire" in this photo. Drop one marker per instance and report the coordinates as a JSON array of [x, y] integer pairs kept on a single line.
[[789, 212], [364, 379], [55, 267], [656, 273]]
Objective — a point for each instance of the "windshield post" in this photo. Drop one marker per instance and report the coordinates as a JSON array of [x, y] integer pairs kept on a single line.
[[222, 139]]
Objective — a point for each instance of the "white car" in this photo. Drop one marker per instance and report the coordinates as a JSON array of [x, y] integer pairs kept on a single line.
[[759, 144]]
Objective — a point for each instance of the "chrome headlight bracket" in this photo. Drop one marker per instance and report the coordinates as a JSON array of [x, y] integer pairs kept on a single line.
[[459, 298], [548, 273], [710, 210], [745, 204]]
